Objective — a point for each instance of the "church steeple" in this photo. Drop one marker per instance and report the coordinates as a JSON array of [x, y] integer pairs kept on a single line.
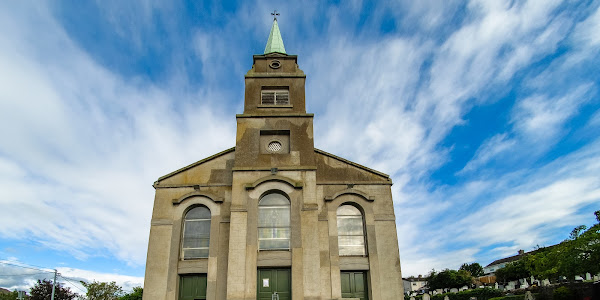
[[274, 131], [275, 42]]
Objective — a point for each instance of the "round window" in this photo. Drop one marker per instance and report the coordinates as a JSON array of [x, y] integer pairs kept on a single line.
[[275, 64], [274, 146]]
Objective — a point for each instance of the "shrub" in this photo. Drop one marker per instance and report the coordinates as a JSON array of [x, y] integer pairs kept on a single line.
[[562, 293], [513, 297], [481, 294]]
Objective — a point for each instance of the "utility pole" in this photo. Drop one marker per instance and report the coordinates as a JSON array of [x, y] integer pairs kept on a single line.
[[53, 285]]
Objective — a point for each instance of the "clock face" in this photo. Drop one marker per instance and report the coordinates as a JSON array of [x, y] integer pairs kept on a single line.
[[274, 146], [275, 64]]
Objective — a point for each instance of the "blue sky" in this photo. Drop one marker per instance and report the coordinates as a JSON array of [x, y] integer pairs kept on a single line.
[[485, 113]]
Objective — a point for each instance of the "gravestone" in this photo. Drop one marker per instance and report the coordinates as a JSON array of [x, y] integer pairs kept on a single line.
[[588, 276], [528, 296], [446, 297], [463, 288], [545, 282], [453, 290], [426, 297], [412, 298]]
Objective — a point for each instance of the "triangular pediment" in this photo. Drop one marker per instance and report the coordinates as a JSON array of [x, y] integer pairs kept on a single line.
[[332, 168], [215, 169]]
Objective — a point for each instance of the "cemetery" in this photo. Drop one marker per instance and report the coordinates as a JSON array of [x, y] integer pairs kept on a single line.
[[568, 270]]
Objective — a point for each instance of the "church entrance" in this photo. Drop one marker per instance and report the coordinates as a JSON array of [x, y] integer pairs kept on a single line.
[[354, 285], [274, 284], [192, 287]]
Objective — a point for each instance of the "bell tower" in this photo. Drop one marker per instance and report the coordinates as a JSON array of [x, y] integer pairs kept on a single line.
[[274, 131], [273, 217]]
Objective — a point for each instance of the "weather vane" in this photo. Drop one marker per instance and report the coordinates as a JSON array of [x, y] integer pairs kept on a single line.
[[274, 14]]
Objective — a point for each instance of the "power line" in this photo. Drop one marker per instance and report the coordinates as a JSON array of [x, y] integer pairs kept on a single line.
[[26, 274], [25, 266], [65, 277], [73, 284]]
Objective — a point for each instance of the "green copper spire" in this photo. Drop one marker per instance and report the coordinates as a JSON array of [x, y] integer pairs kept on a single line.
[[275, 42]]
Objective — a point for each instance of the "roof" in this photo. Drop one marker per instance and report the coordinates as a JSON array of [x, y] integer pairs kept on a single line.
[[197, 163], [385, 177], [508, 259], [415, 279], [518, 256], [354, 164], [275, 42]]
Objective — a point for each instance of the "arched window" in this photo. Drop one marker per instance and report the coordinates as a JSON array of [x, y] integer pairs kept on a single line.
[[274, 222], [196, 233], [351, 236]]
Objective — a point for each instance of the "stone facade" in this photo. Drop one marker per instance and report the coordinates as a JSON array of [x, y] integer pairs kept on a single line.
[[232, 183]]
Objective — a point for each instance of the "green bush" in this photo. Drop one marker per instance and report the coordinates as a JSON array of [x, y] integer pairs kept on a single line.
[[481, 294], [562, 293], [513, 297]]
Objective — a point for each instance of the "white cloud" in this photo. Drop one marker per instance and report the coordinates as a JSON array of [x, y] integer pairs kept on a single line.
[[24, 277], [594, 119], [586, 32], [513, 211], [90, 143], [519, 217], [489, 149], [423, 264], [398, 113], [126, 282], [540, 118], [368, 93]]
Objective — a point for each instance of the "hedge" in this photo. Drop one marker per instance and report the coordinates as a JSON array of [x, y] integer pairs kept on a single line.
[[481, 294]]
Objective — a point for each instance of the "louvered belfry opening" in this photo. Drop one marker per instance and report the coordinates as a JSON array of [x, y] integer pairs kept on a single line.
[[275, 97]]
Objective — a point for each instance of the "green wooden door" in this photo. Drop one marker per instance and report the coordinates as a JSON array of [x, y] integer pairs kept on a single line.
[[192, 287], [272, 281], [354, 285]]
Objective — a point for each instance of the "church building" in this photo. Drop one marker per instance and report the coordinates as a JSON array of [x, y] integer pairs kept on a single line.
[[273, 217]]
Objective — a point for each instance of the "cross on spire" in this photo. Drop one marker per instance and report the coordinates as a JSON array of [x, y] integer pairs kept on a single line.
[[275, 42]]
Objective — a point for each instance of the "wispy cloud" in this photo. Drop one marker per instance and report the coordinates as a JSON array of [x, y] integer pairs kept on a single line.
[[87, 143], [488, 150], [19, 276], [86, 134], [540, 118]]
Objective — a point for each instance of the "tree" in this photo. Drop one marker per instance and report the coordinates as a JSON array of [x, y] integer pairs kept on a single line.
[[448, 279], [102, 290], [577, 255], [42, 290], [14, 295], [580, 254], [475, 269], [577, 232], [543, 263], [513, 271], [136, 294]]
